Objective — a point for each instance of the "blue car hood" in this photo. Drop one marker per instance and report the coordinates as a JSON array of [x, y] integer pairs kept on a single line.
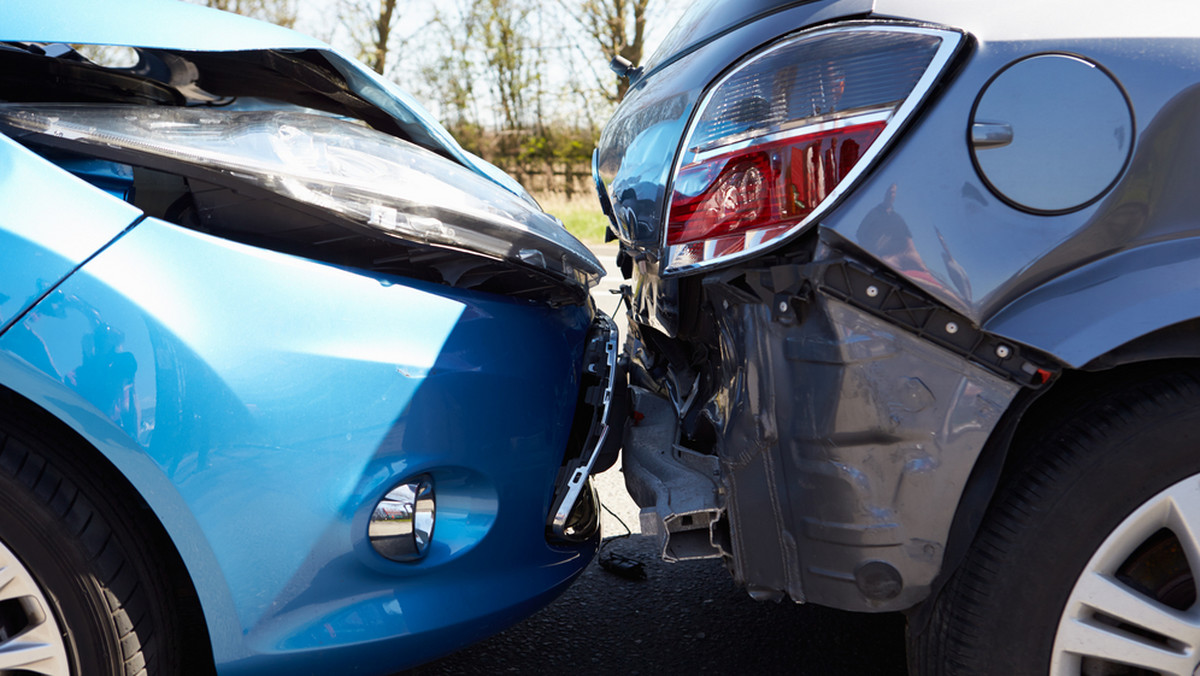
[[176, 25], [164, 24], [204, 36]]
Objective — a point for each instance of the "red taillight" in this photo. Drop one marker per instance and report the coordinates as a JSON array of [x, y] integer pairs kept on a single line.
[[763, 186], [780, 137]]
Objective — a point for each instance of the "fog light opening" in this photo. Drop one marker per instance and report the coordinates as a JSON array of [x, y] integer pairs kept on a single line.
[[402, 522]]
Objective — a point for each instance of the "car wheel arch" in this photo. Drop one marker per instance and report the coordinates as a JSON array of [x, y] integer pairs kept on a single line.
[[1098, 412], [1031, 415], [198, 649], [1129, 298]]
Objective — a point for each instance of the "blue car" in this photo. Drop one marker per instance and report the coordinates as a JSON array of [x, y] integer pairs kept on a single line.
[[290, 382]]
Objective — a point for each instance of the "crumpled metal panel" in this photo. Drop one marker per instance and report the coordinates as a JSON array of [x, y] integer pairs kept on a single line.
[[879, 431], [680, 488], [332, 392], [841, 440]]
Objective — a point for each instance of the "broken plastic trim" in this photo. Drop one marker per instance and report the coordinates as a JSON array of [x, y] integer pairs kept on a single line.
[[890, 300], [374, 180], [600, 363]]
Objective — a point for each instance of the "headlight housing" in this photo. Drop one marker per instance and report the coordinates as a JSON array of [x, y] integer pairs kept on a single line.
[[782, 136], [367, 178]]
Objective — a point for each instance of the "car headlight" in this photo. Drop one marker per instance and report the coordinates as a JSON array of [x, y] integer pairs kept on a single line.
[[343, 167], [783, 135]]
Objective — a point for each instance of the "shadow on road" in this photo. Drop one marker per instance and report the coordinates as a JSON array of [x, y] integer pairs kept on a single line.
[[686, 618]]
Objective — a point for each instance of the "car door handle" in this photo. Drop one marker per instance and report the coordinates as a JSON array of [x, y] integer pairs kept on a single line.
[[991, 135]]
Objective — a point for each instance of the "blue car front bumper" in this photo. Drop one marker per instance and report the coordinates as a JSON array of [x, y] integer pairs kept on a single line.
[[262, 404]]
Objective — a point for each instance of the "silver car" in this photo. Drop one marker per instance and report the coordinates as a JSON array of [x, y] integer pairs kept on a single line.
[[914, 303]]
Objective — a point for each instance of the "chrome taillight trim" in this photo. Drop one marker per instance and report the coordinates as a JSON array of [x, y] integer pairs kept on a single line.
[[951, 41], [864, 117]]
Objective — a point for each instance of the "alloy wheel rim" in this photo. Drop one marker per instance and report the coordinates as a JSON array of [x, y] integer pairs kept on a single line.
[[1109, 621], [30, 639]]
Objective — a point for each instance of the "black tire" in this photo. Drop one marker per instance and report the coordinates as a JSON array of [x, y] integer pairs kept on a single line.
[[77, 533], [1078, 483]]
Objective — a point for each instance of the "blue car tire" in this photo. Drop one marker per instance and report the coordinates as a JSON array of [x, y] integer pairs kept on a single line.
[[80, 589]]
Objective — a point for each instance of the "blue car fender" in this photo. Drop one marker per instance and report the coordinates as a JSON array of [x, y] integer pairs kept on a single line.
[[44, 236]]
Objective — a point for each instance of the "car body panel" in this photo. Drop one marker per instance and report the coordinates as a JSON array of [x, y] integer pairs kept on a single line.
[[167, 24], [184, 26], [949, 193], [977, 271], [842, 440], [1109, 303], [1003, 301], [262, 371], [47, 236], [266, 455]]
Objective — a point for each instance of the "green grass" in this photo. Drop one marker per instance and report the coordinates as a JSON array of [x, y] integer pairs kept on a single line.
[[580, 213]]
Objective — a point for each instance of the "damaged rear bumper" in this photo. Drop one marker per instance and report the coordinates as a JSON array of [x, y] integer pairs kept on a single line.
[[832, 439]]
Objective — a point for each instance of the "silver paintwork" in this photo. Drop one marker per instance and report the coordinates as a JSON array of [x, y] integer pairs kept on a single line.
[[810, 439], [40, 648], [1062, 116], [1099, 591]]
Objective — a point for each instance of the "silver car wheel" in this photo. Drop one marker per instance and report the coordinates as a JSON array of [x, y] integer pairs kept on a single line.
[[1106, 620], [35, 645]]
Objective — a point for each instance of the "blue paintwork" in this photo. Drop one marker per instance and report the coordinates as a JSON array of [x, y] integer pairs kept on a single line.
[[262, 403], [43, 235], [167, 24]]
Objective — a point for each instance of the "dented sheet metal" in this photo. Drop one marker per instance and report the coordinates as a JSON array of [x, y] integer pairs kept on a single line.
[[839, 438]]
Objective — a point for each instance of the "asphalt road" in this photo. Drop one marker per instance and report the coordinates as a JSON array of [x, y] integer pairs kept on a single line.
[[685, 618]]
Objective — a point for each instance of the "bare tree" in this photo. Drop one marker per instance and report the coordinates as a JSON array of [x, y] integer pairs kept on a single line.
[[509, 54], [282, 12], [372, 24], [450, 71]]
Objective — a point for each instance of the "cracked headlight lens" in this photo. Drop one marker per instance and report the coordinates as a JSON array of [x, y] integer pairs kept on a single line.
[[344, 167]]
